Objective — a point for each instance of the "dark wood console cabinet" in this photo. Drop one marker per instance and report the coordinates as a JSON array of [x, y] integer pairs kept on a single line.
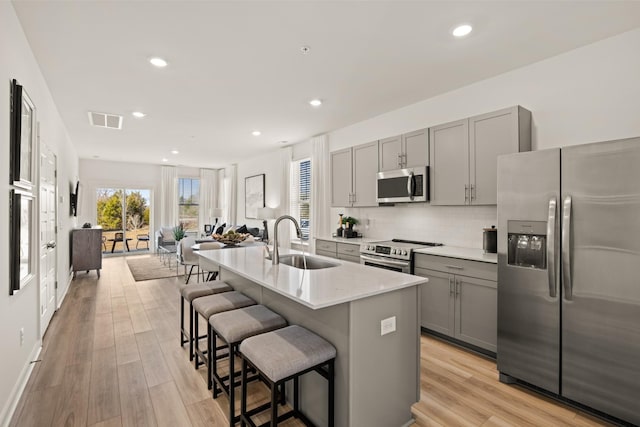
[[86, 250]]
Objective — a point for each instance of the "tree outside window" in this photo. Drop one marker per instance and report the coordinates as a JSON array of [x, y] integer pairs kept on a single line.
[[189, 203]]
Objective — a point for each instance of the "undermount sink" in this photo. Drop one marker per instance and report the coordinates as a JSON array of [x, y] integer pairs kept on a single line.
[[312, 263]]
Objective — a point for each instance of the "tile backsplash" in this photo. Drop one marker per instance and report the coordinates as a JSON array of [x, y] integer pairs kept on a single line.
[[451, 225]]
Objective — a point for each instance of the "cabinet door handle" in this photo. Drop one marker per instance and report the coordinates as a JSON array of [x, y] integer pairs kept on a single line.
[[458, 287], [466, 193], [451, 287], [399, 160], [457, 267], [472, 192]]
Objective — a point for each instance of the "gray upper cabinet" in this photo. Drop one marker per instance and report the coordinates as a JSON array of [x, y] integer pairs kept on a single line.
[[353, 176], [491, 135], [416, 148], [464, 155], [391, 153], [405, 151], [449, 150]]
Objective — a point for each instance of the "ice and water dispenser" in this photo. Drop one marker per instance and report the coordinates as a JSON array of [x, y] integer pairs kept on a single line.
[[527, 244]]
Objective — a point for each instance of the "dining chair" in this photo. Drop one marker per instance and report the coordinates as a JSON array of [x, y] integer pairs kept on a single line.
[[188, 258]]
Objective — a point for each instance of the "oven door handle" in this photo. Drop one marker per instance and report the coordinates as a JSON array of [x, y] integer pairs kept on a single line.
[[384, 261]]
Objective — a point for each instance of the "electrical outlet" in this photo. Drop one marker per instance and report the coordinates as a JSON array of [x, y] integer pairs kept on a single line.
[[387, 325], [21, 336]]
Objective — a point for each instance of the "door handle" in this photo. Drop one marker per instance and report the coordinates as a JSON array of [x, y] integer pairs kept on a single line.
[[411, 185], [400, 160], [458, 284], [471, 192], [451, 287], [51, 244], [466, 193], [551, 247], [566, 249]]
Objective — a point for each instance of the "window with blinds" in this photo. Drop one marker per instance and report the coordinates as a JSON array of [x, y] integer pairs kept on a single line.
[[301, 194]]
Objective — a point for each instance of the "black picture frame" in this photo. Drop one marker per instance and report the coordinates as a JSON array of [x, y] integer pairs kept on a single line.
[[21, 229], [23, 128], [73, 201], [253, 195]]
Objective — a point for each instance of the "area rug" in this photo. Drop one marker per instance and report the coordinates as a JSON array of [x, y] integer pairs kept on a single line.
[[148, 268]]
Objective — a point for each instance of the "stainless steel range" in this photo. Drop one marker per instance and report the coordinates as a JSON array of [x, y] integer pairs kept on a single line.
[[396, 254]]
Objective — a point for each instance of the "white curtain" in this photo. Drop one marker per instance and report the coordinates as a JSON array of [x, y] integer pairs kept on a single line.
[[229, 205], [208, 195], [284, 231], [169, 197], [319, 189]]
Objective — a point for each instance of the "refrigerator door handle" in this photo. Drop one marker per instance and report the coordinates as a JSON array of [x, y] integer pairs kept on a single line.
[[551, 247], [566, 249]]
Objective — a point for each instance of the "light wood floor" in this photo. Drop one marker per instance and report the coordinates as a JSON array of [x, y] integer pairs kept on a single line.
[[111, 358]]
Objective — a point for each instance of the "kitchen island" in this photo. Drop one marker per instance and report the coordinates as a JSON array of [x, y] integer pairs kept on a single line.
[[377, 376]]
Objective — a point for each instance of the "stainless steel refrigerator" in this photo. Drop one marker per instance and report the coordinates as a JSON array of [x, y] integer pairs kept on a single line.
[[569, 273]]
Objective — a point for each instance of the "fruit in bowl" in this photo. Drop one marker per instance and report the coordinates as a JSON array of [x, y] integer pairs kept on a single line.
[[230, 237]]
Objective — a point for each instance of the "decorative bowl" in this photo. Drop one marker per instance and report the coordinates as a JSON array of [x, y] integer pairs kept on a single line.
[[230, 239]]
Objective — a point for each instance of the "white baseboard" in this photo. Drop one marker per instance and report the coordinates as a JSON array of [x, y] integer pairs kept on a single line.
[[18, 389], [61, 297]]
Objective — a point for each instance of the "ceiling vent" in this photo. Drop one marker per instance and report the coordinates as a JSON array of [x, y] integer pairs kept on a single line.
[[104, 120]]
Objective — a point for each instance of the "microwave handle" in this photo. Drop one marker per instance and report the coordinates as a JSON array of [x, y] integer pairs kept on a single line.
[[411, 185]]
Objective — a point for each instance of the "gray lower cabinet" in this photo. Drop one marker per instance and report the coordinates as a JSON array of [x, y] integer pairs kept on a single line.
[[343, 251], [86, 250], [456, 305]]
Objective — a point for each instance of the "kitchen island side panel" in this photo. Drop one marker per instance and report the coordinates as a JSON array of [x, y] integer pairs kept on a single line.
[[377, 377], [384, 369], [332, 324]]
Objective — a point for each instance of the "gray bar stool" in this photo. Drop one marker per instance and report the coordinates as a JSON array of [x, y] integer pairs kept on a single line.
[[232, 327], [189, 293], [280, 356], [207, 307]]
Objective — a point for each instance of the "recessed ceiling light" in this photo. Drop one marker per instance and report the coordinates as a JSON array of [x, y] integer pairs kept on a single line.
[[138, 114], [174, 152], [305, 50], [256, 133], [462, 30], [165, 160], [315, 102], [158, 62]]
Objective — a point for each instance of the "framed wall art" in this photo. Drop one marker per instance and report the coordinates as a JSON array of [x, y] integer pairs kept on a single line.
[[253, 195], [21, 230], [22, 139]]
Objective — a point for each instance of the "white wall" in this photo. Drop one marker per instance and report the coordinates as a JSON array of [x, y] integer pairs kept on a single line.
[[586, 95], [270, 165], [21, 310]]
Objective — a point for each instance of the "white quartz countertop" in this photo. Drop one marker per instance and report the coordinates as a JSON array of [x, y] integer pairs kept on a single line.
[[353, 240], [313, 288], [471, 254]]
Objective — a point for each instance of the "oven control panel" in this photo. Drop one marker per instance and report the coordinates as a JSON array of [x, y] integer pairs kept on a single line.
[[385, 250]]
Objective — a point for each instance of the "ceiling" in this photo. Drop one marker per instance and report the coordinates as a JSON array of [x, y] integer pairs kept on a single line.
[[235, 67]]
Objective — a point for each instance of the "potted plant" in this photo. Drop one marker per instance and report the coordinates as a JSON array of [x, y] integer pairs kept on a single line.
[[178, 232], [349, 221]]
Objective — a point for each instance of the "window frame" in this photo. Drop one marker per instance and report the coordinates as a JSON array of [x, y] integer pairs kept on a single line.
[[299, 198], [191, 179]]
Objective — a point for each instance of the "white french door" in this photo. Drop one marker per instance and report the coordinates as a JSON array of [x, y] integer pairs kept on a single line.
[[48, 237]]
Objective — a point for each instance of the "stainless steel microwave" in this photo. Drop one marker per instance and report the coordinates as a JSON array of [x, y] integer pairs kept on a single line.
[[403, 185]]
